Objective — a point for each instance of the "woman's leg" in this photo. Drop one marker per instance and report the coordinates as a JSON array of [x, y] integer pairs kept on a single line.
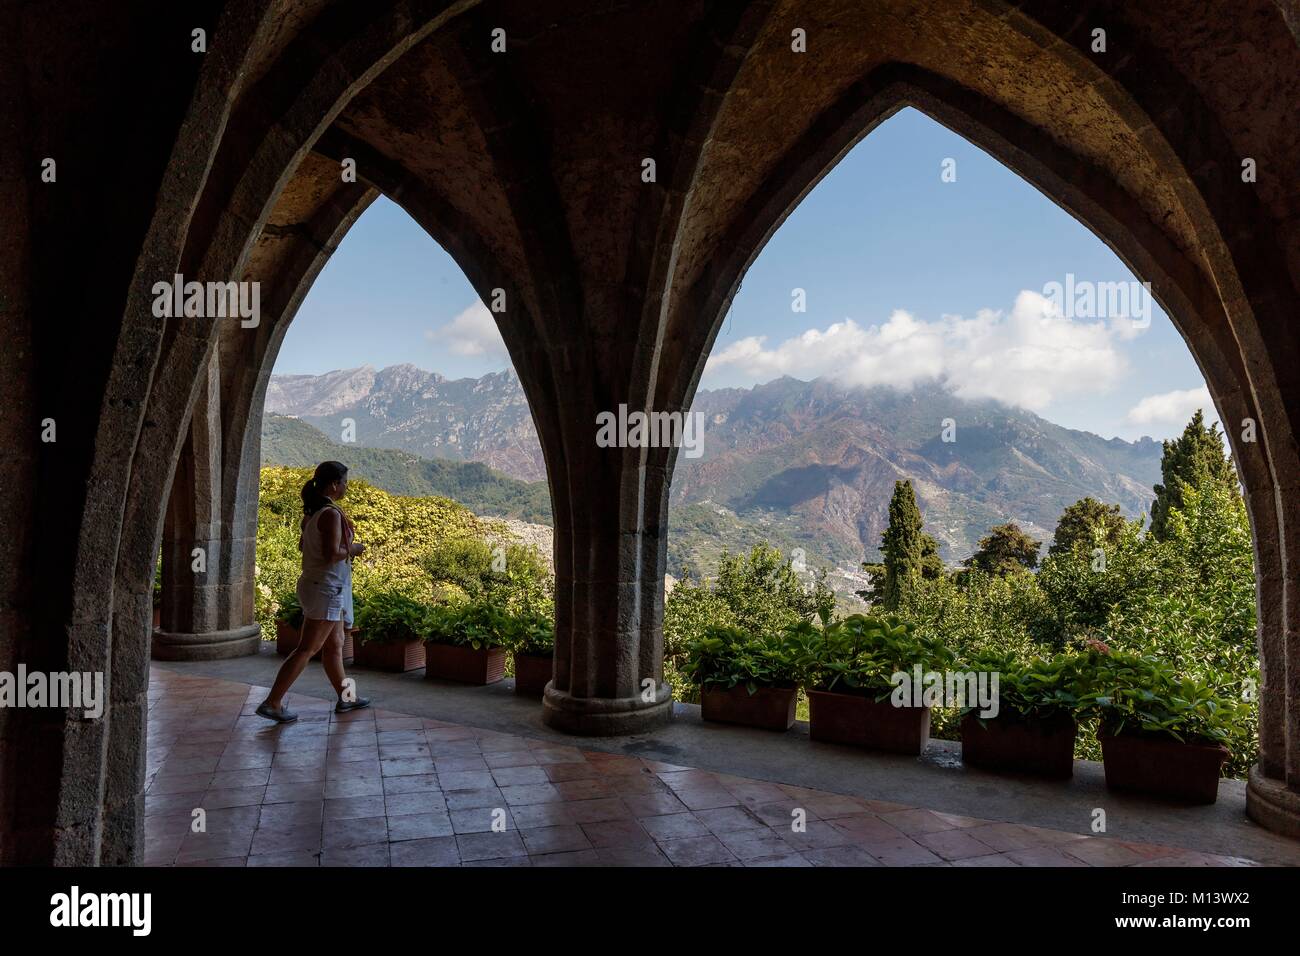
[[332, 657], [314, 635]]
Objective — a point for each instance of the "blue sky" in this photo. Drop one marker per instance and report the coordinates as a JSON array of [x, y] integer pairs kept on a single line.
[[905, 277]]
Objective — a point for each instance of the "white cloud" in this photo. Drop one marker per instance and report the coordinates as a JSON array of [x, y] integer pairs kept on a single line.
[[473, 332], [1172, 408], [1031, 357]]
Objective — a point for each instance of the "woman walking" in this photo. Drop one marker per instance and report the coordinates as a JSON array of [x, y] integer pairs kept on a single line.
[[324, 589]]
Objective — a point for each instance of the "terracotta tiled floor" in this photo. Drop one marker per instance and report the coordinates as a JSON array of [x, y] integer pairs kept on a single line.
[[376, 788]]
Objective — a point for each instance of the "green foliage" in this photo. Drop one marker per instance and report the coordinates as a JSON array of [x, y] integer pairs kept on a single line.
[[1082, 587], [1087, 525], [1136, 694], [902, 545], [514, 577], [759, 592], [289, 609], [689, 612], [1185, 597], [1192, 460], [860, 653], [532, 633], [1005, 550], [480, 624], [987, 613], [399, 533], [1035, 688], [476, 624], [727, 656], [389, 616]]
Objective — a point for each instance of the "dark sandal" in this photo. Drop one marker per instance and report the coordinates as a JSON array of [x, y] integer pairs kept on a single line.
[[281, 716]]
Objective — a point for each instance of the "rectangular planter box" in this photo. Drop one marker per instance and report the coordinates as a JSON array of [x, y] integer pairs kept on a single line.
[[768, 708], [397, 656], [287, 637], [1188, 772], [464, 665], [862, 722], [532, 673], [1041, 747]]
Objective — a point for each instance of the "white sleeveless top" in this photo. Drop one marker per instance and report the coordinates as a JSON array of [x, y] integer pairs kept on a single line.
[[325, 586]]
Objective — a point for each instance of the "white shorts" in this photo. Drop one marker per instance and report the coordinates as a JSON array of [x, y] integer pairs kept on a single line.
[[325, 600]]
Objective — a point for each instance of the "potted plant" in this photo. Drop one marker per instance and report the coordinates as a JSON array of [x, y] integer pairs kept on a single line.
[[851, 672], [466, 643], [390, 632], [1159, 733], [288, 629], [531, 638], [1034, 728], [745, 678]]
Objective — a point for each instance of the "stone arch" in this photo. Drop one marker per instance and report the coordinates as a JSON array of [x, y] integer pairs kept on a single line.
[[232, 156], [623, 291], [1236, 336]]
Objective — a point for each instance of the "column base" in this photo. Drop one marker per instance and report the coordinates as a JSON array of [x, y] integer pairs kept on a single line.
[[1272, 805], [606, 716], [210, 646]]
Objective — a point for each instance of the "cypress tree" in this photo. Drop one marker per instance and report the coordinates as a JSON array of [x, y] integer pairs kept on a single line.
[[902, 544], [1193, 458]]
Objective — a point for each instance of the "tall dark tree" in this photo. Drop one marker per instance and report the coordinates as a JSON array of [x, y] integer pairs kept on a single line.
[[1194, 457], [1003, 550], [1085, 525], [931, 568], [902, 545]]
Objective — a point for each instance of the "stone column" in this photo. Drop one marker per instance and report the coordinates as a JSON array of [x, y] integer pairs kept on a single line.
[[610, 514], [207, 562]]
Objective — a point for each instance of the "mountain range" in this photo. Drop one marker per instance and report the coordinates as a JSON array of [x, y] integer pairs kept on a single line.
[[802, 464]]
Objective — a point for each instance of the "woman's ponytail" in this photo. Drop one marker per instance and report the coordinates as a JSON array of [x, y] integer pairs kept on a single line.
[[313, 493]]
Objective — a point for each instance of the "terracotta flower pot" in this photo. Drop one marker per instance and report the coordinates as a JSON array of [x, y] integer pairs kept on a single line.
[[396, 656], [862, 722], [287, 637], [1163, 766], [1044, 747], [768, 708], [532, 673], [487, 665]]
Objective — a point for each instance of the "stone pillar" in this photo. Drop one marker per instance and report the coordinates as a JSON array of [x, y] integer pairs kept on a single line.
[[610, 511], [207, 562]]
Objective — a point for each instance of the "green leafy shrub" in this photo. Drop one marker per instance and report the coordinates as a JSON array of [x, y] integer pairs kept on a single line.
[[859, 655], [727, 656], [476, 624], [759, 592], [1034, 689], [513, 576], [532, 633], [289, 609], [1133, 694], [391, 616]]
